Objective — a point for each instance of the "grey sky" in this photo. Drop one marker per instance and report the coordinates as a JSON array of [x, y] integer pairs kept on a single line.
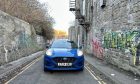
[[59, 10]]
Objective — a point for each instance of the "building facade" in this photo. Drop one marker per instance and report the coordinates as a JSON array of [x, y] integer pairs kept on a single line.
[[107, 26], [96, 18]]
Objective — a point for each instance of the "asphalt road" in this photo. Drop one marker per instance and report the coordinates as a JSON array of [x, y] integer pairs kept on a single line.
[[34, 74]]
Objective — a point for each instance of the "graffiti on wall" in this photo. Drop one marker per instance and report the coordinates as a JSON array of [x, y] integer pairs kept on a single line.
[[97, 48], [121, 40], [26, 41]]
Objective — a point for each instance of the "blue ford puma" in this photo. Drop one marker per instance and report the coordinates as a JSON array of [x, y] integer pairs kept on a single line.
[[63, 55]]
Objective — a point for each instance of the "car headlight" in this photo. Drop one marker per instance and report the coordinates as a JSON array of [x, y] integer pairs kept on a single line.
[[79, 53], [49, 52]]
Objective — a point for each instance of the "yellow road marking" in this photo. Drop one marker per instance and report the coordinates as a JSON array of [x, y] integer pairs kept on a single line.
[[100, 81], [97, 76], [92, 74], [24, 69], [30, 64]]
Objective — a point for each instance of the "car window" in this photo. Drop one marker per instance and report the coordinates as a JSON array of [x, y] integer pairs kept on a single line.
[[64, 44]]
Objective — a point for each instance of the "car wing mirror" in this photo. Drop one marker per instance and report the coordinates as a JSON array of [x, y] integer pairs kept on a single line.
[[47, 46], [80, 47]]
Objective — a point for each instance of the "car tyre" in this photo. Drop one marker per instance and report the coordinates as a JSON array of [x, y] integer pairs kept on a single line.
[[82, 69], [45, 70]]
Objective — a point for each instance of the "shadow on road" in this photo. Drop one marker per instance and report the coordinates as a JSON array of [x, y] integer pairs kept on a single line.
[[63, 72]]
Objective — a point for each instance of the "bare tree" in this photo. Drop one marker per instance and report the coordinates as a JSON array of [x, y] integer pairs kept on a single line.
[[31, 11]]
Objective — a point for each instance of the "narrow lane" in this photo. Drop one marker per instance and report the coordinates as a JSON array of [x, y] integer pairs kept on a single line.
[[36, 75]]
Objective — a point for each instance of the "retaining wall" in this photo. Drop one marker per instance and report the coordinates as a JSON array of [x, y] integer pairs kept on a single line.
[[17, 38]]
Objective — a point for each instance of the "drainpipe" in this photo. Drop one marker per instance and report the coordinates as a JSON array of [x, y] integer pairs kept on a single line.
[[6, 54], [78, 41]]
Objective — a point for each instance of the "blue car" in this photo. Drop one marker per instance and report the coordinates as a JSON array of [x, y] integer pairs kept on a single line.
[[63, 54]]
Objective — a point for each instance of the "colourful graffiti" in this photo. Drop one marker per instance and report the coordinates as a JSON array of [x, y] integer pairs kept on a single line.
[[116, 40], [123, 41], [97, 48]]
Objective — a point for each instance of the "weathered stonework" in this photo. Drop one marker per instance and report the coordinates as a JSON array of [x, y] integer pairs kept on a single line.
[[117, 15], [17, 38], [123, 61]]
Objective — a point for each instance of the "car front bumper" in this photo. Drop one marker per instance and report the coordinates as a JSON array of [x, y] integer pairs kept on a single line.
[[50, 63]]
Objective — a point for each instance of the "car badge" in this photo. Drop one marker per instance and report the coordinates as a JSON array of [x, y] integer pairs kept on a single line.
[[65, 58]]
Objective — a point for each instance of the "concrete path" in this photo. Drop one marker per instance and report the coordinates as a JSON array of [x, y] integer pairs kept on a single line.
[[112, 73]]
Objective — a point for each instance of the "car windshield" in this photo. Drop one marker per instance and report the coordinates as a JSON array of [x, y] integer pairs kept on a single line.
[[64, 44]]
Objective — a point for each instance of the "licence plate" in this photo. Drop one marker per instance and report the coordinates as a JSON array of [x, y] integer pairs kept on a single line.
[[64, 64]]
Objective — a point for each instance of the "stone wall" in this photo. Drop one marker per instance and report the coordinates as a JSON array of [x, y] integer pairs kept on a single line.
[[17, 38], [41, 41], [116, 15], [121, 60], [117, 21]]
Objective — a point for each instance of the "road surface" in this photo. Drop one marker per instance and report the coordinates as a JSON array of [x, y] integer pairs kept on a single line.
[[34, 74]]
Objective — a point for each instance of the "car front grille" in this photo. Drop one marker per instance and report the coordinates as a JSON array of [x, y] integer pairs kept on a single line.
[[64, 59]]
